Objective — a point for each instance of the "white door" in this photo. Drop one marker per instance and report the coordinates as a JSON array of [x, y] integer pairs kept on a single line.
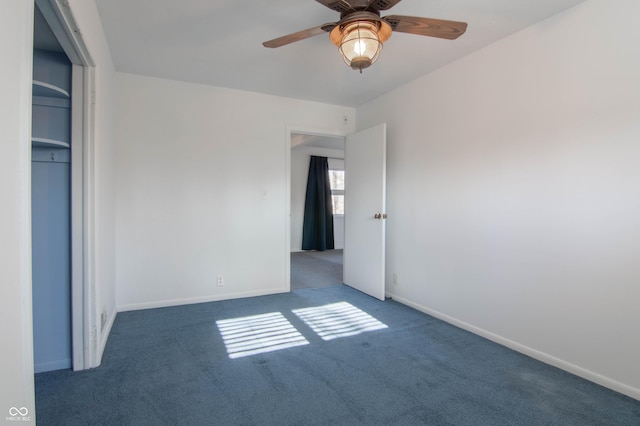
[[364, 218]]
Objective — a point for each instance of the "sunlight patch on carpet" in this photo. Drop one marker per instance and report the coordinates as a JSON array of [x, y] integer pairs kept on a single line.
[[338, 320], [258, 334]]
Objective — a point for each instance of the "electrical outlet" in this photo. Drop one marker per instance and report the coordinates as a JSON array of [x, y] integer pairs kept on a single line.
[[395, 279], [220, 280]]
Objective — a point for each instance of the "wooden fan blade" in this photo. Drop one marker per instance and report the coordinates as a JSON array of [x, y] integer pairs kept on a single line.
[[300, 35], [439, 28]]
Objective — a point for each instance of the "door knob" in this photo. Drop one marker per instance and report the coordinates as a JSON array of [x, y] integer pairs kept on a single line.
[[377, 216]]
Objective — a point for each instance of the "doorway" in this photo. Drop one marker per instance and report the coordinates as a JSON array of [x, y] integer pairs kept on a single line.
[[315, 269], [365, 207], [68, 147]]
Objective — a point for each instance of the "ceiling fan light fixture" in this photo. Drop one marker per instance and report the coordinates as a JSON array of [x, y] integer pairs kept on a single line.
[[361, 31], [360, 42]]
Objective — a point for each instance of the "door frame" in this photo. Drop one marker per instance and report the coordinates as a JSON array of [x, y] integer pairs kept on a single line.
[[287, 237], [60, 19]]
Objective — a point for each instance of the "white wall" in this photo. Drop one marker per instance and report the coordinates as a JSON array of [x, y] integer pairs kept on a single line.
[[513, 198], [16, 357], [300, 158], [202, 189], [102, 177]]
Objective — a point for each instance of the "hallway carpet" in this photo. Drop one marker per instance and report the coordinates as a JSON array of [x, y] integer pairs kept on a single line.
[[315, 269]]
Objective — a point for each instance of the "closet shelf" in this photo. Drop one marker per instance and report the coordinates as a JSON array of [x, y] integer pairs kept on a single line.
[[48, 143], [47, 90]]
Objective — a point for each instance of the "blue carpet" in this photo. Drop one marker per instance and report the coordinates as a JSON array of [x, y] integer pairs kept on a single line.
[[315, 269], [172, 366]]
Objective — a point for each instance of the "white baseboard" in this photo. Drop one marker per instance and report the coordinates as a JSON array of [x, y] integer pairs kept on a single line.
[[533, 353], [193, 300], [104, 337]]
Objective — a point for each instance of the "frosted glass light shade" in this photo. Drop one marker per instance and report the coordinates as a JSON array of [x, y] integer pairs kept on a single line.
[[360, 45]]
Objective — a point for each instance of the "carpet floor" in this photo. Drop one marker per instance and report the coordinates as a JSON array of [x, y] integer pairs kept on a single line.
[[316, 269], [329, 356]]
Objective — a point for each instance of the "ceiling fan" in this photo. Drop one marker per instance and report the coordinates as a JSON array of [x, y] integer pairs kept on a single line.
[[360, 32]]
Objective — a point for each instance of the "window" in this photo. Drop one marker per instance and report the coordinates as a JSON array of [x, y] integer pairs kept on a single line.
[[336, 179]]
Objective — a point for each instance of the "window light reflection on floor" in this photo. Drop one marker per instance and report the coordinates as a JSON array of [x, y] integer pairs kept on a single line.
[[258, 334], [338, 320]]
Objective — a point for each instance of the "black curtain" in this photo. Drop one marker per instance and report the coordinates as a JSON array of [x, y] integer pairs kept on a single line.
[[317, 229]]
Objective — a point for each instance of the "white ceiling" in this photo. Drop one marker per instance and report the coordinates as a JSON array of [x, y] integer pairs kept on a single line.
[[219, 43]]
